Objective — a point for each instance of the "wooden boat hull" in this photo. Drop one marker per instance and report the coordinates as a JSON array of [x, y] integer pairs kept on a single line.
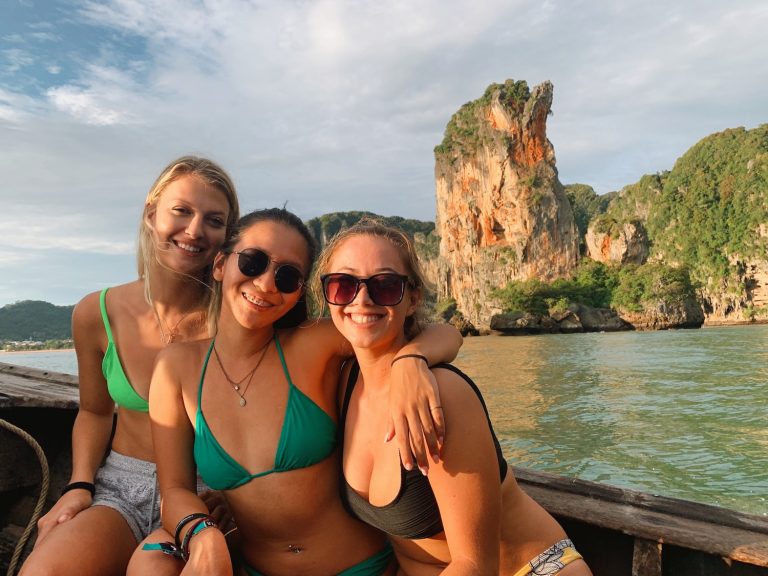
[[620, 532]]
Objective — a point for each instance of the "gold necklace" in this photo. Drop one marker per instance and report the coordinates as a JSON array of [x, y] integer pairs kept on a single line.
[[236, 385], [172, 333]]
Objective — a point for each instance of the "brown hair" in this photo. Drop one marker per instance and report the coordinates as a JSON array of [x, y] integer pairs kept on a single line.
[[404, 245]]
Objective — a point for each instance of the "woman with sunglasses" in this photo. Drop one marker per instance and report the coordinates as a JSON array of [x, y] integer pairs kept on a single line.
[[107, 509], [254, 411], [468, 516]]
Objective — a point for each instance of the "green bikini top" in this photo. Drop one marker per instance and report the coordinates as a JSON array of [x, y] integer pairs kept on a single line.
[[119, 387], [308, 436]]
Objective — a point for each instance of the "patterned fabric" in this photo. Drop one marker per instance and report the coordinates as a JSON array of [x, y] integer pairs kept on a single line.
[[551, 561]]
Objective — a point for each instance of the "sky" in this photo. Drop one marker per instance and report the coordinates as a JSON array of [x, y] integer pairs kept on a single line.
[[330, 105]]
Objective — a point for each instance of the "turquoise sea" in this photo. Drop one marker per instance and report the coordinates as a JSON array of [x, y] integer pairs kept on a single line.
[[678, 413]]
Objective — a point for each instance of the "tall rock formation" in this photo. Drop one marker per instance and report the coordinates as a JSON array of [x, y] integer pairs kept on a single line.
[[502, 213]]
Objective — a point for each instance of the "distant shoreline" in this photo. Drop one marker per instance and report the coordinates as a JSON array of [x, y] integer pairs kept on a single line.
[[37, 350]]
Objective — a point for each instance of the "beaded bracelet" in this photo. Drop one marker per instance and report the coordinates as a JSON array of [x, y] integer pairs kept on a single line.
[[396, 358], [80, 486]]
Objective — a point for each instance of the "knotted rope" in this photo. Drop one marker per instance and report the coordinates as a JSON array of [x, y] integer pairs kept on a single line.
[[41, 499]]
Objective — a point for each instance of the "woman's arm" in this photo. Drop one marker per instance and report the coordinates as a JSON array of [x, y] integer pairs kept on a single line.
[[173, 438], [93, 425], [414, 401], [466, 483]]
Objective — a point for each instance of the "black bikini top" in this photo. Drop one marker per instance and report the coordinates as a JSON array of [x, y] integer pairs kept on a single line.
[[414, 513]]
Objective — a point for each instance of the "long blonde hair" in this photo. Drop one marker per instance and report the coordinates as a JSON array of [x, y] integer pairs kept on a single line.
[[404, 245], [210, 173]]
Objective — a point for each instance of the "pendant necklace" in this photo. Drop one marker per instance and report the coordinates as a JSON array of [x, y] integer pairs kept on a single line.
[[169, 336], [249, 376]]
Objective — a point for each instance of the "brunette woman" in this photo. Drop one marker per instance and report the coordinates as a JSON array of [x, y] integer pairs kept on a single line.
[[254, 411]]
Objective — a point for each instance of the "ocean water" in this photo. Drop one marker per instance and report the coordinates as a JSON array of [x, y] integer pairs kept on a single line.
[[676, 413]]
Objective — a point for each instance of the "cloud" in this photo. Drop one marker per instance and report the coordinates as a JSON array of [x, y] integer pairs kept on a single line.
[[337, 105]]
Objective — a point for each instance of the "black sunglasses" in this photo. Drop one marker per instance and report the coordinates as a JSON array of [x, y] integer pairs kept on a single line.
[[253, 262], [385, 289]]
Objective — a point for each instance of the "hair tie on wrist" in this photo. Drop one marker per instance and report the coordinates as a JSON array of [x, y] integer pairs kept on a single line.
[[80, 486], [396, 358]]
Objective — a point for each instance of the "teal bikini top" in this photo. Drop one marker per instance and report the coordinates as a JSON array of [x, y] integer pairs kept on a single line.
[[119, 387], [308, 436]]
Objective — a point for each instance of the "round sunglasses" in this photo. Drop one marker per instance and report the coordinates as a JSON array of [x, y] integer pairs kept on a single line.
[[385, 289], [253, 262]]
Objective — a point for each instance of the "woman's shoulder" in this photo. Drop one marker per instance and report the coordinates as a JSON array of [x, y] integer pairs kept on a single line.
[[186, 353], [316, 337], [456, 388], [121, 293]]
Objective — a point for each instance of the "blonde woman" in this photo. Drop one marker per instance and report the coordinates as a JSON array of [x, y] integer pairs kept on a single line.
[[468, 516], [108, 508]]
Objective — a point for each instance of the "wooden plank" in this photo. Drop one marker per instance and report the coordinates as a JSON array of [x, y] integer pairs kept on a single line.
[[31, 388], [646, 558], [725, 533]]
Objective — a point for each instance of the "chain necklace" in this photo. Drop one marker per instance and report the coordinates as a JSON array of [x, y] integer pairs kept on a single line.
[[169, 335], [249, 376]]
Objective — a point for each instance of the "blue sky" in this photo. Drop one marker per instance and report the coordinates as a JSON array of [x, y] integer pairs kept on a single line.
[[330, 105]]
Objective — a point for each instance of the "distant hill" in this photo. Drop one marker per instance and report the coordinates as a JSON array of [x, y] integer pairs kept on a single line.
[[35, 320]]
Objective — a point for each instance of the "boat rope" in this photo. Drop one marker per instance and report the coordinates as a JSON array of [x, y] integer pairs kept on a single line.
[[41, 499]]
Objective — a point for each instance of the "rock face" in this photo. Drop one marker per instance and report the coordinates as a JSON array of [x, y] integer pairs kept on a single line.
[[662, 316], [576, 318], [628, 244], [743, 298], [502, 213]]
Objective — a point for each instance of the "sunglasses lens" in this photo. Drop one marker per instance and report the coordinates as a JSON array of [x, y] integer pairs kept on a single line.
[[252, 262], [386, 289], [339, 289], [288, 279]]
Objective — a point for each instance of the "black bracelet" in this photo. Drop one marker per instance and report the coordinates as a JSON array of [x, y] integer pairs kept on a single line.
[[183, 522], [80, 486], [199, 525], [396, 358]]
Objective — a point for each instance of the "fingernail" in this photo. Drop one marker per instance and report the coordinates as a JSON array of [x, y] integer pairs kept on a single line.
[[424, 470], [408, 466], [436, 457], [440, 440]]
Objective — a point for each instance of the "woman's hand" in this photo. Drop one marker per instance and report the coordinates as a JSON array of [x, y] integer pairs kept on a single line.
[[416, 417], [218, 509], [68, 506]]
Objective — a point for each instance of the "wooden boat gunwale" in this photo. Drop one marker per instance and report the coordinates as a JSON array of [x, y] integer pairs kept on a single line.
[[646, 533]]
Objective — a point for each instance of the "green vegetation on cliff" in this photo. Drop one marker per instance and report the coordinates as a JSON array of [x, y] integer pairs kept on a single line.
[[594, 284], [713, 202], [586, 205], [324, 227], [464, 131], [35, 320], [707, 212]]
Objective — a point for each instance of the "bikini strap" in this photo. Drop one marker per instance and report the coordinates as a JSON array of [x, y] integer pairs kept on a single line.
[[202, 375], [104, 316], [282, 359], [354, 370]]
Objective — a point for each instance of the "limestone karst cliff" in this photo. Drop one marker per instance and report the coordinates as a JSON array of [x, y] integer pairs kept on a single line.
[[502, 213], [708, 214]]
